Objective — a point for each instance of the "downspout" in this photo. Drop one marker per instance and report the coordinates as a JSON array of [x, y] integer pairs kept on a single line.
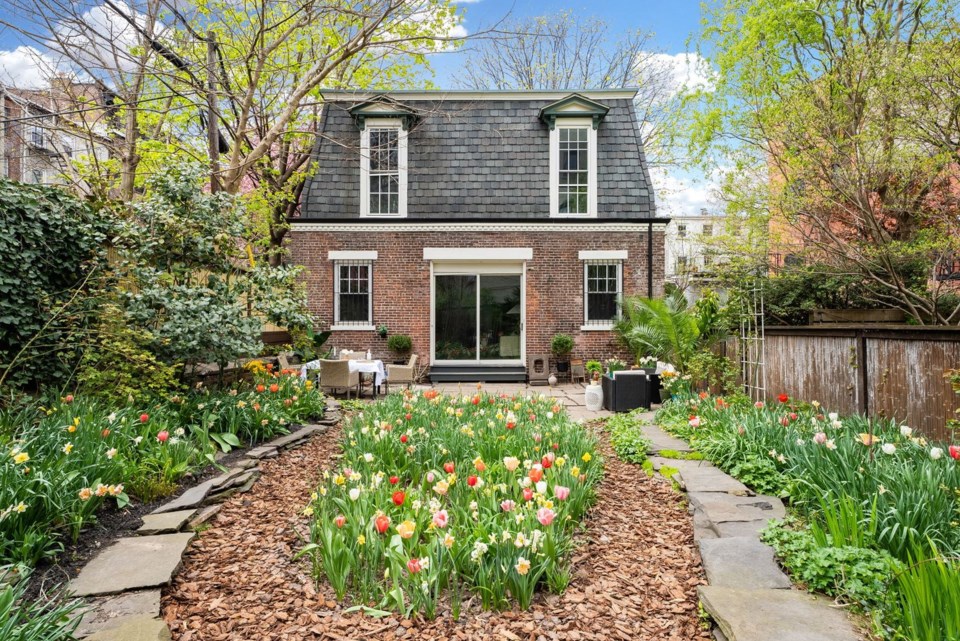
[[649, 259]]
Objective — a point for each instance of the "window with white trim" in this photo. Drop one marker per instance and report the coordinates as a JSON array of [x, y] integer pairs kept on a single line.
[[573, 169], [603, 288], [383, 168], [353, 292]]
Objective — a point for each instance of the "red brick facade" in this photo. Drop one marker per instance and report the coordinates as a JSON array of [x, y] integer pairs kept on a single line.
[[401, 281]]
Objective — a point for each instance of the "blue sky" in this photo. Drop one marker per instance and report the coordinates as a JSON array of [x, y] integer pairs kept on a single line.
[[671, 21]]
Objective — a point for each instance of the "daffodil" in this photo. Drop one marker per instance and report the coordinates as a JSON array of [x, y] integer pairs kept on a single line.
[[522, 566]]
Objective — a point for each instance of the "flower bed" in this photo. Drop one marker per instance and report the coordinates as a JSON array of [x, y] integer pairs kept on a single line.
[[442, 495], [60, 463], [875, 507]]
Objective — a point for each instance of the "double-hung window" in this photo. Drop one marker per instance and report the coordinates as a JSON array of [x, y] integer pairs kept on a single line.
[[573, 169], [353, 289], [383, 168], [602, 288]]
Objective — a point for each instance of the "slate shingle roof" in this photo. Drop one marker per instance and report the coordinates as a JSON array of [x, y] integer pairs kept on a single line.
[[479, 159]]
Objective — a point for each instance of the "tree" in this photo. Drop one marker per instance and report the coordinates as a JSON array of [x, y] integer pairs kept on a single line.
[[561, 51], [850, 109]]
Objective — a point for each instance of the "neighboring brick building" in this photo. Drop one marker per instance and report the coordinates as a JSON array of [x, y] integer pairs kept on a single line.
[[478, 223]]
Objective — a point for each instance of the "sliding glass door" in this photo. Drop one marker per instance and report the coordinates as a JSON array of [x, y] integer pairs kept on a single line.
[[478, 317]]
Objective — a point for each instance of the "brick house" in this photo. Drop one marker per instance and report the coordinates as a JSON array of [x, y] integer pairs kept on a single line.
[[478, 223]]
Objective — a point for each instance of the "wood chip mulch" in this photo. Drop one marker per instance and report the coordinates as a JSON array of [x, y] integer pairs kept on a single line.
[[636, 571]]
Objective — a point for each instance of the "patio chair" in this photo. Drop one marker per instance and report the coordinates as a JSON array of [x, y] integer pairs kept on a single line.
[[336, 375], [402, 374]]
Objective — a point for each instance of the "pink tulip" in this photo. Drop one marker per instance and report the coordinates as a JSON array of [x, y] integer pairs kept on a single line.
[[163, 436], [508, 505], [695, 421], [820, 438], [340, 521], [561, 492], [545, 515], [440, 519], [758, 405], [430, 477], [413, 566]]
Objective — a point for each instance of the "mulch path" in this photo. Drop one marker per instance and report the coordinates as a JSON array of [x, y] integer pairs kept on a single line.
[[635, 572]]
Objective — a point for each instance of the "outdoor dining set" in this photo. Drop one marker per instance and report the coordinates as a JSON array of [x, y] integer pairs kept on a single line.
[[352, 371]]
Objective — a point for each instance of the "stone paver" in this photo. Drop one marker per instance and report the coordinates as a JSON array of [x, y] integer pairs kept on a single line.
[[701, 476], [659, 439], [721, 507], [165, 522], [190, 499], [132, 564], [741, 528], [111, 611], [204, 515], [296, 437], [775, 615], [137, 628], [264, 451], [741, 562]]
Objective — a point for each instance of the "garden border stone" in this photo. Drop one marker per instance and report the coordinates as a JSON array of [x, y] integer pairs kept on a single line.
[[165, 522]]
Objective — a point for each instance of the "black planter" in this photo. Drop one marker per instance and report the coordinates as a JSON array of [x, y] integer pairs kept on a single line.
[[563, 366], [627, 390]]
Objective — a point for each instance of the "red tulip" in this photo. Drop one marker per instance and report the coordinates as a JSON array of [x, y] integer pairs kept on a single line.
[[399, 497], [448, 467], [413, 566], [260, 388], [403, 438], [793, 416], [783, 398], [274, 388], [408, 416], [471, 480], [547, 460], [340, 521], [68, 399], [527, 494], [535, 474], [394, 480], [954, 452], [476, 400], [144, 418], [511, 425], [382, 522], [105, 433], [163, 436], [555, 446]]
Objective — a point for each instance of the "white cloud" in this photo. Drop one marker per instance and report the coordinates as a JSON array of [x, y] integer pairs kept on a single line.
[[27, 68], [681, 192]]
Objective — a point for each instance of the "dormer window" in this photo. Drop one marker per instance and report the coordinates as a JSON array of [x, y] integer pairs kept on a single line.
[[573, 124], [383, 168]]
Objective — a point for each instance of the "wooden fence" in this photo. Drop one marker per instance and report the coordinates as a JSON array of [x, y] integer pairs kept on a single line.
[[893, 371]]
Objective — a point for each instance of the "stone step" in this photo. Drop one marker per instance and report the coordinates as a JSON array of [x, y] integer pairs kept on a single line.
[[165, 522], [113, 611], [138, 628], [659, 439], [133, 563], [781, 615], [741, 562], [701, 476], [296, 437], [192, 498], [721, 507]]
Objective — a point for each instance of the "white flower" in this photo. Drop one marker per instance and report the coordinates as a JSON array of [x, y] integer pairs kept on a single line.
[[542, 487], [836, 425], [112, 417], [830, 445], [889, 448], [935, 453], [549, 415], [137, 440], [180, 431], [479, 549], [833, 416], [525, 481], [473, 506], [800, 441], [425, 563], [355, 494], [906, 430], [111, 452], [368, 457]]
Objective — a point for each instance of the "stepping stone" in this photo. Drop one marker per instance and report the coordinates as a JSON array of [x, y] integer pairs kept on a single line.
[[784, 615], [264, 451], [246, 463], [192, 498], [701, 476], [241, 484], [138, 628], [204, 515], [165, 522], [297, 437], [702, 527], [228, 478], [660, 440], [131, 564], [109, 612], [741, 562], [741, 528], [722, 508]]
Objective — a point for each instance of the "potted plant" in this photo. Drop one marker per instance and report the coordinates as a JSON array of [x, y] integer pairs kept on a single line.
[[400, 344], [593, 367], [561, 346], [648, 364], [382, 330]]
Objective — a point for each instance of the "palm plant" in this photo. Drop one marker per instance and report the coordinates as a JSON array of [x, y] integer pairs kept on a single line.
[[668, 328]]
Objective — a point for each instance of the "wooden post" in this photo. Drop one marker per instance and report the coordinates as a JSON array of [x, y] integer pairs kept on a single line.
[[213, 132], [863, 406]]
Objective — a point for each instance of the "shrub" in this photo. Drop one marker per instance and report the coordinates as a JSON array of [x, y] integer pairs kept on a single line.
[[627, 438], [400, 343], [561, 344]]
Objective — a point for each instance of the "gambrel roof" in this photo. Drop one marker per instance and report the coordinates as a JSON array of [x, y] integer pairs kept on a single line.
[[480, 155]]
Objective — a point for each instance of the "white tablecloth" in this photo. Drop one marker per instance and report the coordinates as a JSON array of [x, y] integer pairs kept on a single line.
[[368, 367]]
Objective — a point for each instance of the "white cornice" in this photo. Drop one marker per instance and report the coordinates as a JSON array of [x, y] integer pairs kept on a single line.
[[386, 227], [596, 94]]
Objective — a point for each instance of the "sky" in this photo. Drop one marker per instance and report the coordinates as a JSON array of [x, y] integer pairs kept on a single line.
[[672, 21]]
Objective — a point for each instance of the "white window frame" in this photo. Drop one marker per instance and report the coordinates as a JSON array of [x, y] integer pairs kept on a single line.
[[589, 325], [351, 325], [573, 123], [383, 123]]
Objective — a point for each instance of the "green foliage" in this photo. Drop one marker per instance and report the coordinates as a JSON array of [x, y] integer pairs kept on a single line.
[[400, 343], [46, 619], [54, 253], [593, 366], [627, 438], [929, 597], [561, 344], [852, 574], [713, 372]]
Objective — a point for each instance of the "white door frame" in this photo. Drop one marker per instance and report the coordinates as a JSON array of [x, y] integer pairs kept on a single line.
[[478, 269]]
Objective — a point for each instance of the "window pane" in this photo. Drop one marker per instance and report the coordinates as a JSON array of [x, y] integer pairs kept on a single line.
[[601, 307], [354, 308]]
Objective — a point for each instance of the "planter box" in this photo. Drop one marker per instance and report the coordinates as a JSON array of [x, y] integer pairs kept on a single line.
[[627, 390]]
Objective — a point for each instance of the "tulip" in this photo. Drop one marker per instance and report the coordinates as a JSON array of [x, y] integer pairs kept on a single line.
[[561, 492], [399, 497], [936, 453], [508, 505], [511, 463], [340, 521], [793, 416], [545, 515], [382, 523], [408, 416], [274, 388], [479, 465], [547, 460], [441, 519], [403, 438], [144, 418], [448, 467], [820, 438], [783, 398], [476, 400], [105, 433], [471, 481], [68, 399], [535, 473], [413, 566], [758, 405], [954, 452], [888, 448], [527, 494], [394, 480], [406, 529], [695, 421], [430, 477], [163, 436], [260, 388]]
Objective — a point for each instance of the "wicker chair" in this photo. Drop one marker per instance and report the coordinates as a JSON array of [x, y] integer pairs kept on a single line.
[[402, 374], [336, 375]]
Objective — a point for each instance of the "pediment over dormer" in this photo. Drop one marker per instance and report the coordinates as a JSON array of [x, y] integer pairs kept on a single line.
[[382, 107], [574, 106]]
